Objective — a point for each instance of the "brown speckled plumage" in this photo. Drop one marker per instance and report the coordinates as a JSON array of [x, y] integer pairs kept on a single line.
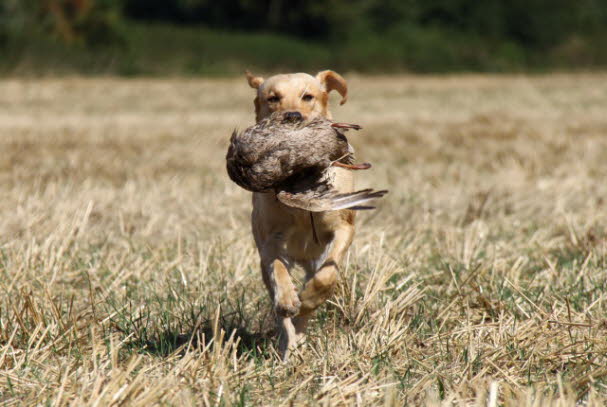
[[290, 156]]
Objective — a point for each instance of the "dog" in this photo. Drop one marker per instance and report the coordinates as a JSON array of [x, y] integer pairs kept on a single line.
[[286, 236]]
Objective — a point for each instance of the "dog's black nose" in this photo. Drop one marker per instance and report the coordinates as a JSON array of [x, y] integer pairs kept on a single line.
[[294, 116]]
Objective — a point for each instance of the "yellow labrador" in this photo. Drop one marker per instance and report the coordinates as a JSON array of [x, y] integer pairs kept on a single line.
[[287, 236]]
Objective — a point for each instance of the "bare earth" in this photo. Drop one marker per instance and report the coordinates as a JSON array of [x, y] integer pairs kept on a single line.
[[128, 274]]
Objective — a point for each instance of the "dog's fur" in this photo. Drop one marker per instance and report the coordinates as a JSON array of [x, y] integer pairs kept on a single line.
[[286, 236]]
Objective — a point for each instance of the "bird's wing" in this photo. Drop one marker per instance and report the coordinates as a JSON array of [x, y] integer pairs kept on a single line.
[[329, 200]]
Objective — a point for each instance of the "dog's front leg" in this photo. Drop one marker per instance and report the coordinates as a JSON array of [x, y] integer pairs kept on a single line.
[[281, 287], [286, 305], [275, 270], [320, 285]]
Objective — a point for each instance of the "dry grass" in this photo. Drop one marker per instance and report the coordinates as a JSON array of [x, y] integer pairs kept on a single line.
[[128, 274]]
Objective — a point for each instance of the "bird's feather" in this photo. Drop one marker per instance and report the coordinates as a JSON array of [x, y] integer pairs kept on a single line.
[[292, 158], [329, 200]]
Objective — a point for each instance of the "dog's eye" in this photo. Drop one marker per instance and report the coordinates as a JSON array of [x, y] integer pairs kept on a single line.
[[273, 99], [307, 97]]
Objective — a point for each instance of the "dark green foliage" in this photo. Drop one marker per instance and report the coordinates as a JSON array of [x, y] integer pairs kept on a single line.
[[87, 22], [208, 37]]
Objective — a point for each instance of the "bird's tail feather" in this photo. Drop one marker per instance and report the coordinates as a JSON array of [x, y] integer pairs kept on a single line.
[[355, 200], [316, 201]]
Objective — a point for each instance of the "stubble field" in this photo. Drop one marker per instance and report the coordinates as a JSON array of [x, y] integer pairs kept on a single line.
[[128, 274]]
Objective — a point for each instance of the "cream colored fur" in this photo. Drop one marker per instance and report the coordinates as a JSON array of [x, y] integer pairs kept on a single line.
[[284, 236]]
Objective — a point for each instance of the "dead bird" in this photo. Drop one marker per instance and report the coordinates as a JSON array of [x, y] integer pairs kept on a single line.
[[288, 155]]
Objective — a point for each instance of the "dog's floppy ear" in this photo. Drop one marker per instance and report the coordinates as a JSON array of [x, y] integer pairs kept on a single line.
[[333, 81], [254, 81]]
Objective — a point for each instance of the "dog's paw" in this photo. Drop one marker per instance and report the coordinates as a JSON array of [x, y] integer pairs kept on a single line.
[[288, 305]]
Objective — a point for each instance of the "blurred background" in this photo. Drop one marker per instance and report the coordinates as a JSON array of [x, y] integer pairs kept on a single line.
[[217, 38]]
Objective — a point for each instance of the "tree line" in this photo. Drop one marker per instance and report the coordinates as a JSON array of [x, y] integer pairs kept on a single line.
[[418, 35]]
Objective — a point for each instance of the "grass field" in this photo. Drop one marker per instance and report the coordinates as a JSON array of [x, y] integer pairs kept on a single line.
[[128, 275]]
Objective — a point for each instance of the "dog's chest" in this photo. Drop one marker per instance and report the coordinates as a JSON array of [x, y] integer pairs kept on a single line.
[[309, 237]]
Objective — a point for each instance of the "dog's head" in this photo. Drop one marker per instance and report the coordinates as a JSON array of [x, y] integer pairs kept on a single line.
[[297, 92]]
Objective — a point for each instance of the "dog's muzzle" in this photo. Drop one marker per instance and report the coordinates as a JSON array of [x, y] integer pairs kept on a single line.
[[293, 116]]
